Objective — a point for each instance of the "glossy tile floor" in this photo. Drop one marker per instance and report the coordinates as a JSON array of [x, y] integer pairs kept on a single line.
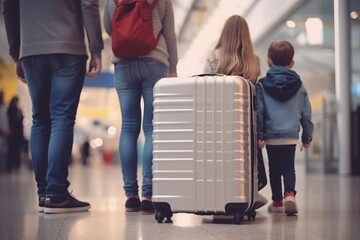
[[329, 208]]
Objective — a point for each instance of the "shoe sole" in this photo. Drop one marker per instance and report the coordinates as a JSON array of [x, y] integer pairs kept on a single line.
[[40, 209], [66, 210], [132, 209], [281, 210], [290, 208], [147, 212]]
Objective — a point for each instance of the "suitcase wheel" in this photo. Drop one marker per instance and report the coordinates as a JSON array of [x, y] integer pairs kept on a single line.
[[238, 217], [160, 216], [251, 215]]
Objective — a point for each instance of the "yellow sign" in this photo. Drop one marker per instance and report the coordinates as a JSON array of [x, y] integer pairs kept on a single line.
[[8, 81]]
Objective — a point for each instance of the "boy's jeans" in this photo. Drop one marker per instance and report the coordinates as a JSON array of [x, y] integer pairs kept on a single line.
[[281, 164]]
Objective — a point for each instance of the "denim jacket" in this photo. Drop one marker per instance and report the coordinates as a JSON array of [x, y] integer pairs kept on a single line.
[[283, 106]]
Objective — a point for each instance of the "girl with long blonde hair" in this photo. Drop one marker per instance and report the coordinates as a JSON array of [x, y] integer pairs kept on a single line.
[[234, 55], [234, 52]]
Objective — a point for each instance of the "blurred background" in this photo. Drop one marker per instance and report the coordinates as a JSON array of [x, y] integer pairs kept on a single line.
[[307, 24]]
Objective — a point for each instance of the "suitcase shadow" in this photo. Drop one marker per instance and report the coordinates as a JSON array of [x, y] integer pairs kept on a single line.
[[228, 219]]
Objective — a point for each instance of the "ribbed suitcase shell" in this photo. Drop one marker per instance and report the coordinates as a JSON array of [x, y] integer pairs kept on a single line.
[[204, 145]]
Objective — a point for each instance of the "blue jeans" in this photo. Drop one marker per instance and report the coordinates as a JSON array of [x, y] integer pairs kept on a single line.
[[55, 82], [135, 79], [281, 164]]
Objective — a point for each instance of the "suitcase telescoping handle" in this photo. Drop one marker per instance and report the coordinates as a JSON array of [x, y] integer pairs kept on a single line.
[[208, 74]]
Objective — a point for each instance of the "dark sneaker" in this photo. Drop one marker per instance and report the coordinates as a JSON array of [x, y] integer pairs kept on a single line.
[[132, 204], [70, 204], [147, 207], [41, 204]]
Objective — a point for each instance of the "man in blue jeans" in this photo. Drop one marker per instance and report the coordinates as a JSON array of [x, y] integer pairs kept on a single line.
[[46, 41]]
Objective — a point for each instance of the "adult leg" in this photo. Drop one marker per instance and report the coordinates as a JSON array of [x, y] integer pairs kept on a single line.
[[38, 77], [152, 71], [17, 153], [68, 72], [129, 91], [10, 154]]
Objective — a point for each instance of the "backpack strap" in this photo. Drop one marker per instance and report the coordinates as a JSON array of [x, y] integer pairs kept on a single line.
[[153, 3]]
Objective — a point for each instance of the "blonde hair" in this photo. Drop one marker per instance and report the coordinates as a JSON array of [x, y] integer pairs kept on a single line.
[[237, 56]]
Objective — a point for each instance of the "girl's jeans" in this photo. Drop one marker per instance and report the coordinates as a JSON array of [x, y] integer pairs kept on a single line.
[[55, 82], [135, 79], [281, 164]]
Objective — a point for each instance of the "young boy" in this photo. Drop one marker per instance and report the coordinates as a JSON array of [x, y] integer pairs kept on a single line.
[[282, 106]]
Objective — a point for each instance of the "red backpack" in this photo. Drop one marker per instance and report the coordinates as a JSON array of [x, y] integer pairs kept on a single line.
[[132, 28]]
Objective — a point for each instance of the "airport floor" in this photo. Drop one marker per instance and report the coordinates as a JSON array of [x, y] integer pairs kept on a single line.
[[329, 208]]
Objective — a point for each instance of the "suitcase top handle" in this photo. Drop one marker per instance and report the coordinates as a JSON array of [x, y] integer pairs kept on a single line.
[[208, 74]]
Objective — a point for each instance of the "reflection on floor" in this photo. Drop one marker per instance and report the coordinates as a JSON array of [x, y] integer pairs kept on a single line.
[[329, 208]]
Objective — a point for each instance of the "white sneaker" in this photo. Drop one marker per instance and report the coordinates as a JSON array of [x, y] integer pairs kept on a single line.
[[290, 203], [276, 207], [260, 201]]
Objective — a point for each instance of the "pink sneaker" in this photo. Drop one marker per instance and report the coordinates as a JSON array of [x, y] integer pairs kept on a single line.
[[290, 203], [277, 207]]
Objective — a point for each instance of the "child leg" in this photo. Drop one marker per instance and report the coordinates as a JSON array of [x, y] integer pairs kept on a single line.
[[275, 168], [288, 173], [288, 167]]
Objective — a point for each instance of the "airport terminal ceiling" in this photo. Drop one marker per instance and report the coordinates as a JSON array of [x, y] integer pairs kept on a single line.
[[315, 50], [308, 25], [314, 57], [192, 15]]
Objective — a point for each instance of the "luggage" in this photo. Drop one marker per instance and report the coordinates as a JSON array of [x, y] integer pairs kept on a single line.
[[204, 149]]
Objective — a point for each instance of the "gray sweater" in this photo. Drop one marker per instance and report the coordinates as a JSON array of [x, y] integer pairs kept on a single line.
[[163, 23], [46, 27]]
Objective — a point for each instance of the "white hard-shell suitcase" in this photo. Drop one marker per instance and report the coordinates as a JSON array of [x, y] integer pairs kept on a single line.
[[204, 152]]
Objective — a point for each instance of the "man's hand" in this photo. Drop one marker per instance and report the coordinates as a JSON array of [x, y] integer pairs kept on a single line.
[[94, 67], [19, 72]]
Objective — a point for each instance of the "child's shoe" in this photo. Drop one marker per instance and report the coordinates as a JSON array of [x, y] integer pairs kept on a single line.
[[290, 203], [277, 207]]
